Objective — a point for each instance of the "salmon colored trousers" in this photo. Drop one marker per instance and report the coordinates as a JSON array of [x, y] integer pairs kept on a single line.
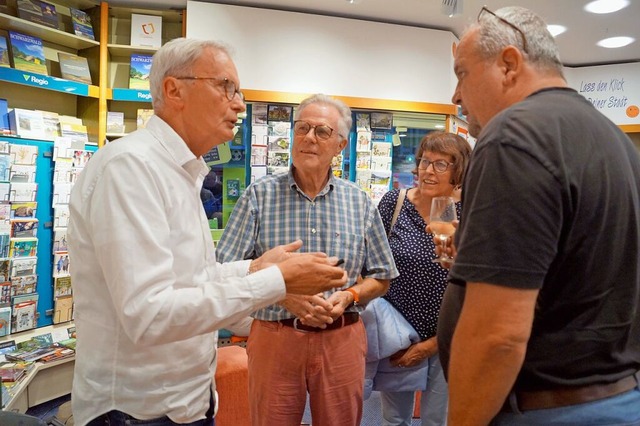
[[285, 364]]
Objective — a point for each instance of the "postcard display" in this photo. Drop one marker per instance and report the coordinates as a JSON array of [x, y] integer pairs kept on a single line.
[[270, 139], [373, 153], [31, 286]]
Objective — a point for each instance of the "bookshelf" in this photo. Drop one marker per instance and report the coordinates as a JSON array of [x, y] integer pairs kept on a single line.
[[108, 58], [116, 30]]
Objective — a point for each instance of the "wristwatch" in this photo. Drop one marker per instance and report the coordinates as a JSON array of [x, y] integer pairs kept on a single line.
[[356, 297]]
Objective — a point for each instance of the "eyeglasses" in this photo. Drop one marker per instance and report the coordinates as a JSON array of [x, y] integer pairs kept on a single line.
[[230, 89], [524, 39], [322, 132], [439, 166]]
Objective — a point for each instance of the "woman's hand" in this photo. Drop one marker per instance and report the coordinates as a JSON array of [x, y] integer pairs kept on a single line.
[[415, 353]]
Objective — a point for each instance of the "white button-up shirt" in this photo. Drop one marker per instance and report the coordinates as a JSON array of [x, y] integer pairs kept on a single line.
[[149, 295]]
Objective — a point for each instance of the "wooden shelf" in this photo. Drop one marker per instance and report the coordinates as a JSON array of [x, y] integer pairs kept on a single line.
[[48, 34], [12, 75], [126, 50]]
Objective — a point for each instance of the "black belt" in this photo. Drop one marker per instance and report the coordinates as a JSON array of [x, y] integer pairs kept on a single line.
[[562, 397], [344, 320]]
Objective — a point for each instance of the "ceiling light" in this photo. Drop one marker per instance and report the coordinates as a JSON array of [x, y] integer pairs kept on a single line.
[[606, 6], [556, 30], [439, 126], [451, 7], [613, 42]]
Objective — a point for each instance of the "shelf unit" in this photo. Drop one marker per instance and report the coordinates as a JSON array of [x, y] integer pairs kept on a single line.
[[108, 57], [116, 30]]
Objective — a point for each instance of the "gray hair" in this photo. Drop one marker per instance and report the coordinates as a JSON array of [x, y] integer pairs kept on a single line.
[[495, 35], [344, 125], [176, 58]]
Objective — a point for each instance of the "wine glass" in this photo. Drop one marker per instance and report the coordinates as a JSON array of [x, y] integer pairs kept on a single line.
[[443, 213]]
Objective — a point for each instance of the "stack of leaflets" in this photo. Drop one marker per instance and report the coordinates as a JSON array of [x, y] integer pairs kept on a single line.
[[5, 60]]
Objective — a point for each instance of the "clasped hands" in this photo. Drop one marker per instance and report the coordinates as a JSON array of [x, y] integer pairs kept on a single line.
[[303, 273], [315, 310]]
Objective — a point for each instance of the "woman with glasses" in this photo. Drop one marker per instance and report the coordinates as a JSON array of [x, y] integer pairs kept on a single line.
[[441, 160]]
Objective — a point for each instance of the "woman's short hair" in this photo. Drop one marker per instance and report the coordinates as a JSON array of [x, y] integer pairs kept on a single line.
[[449, 144]]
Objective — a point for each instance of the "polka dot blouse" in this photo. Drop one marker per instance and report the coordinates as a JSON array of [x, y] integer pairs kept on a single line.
[[417, 293]]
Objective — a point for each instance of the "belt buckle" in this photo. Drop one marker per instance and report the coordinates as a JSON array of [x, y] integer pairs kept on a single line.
[[295, 326]]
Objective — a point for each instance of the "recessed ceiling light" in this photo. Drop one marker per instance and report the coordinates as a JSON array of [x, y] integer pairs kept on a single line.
[[439, 126], [613, 42], [606, 6], [556, 30]]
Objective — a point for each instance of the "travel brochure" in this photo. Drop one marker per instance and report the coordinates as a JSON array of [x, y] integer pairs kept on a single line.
[[139, 71], [75, 68], [37, 11], [28, 53], [81, 24]]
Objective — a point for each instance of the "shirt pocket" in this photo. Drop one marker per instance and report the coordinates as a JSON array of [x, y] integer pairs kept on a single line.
[[351, 248]]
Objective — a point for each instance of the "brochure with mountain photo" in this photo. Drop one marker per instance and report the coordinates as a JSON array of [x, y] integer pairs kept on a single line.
[[139, 71], [28, 53]]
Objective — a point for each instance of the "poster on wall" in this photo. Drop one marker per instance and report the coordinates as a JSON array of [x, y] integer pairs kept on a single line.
[[613, 90]]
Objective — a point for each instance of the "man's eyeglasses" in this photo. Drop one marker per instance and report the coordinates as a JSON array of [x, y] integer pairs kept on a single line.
[[230, 89], [439, 166], [322, 132], [524, 39]]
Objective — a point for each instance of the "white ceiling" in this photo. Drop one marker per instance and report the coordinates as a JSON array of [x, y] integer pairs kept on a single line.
[[577, 45]]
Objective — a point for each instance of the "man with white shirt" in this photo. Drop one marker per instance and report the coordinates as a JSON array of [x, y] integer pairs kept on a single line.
[[149, 294]]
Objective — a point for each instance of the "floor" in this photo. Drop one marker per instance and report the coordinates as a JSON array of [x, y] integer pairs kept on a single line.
[[60, 408]]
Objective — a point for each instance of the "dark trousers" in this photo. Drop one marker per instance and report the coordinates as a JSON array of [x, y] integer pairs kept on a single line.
[[118, 418]]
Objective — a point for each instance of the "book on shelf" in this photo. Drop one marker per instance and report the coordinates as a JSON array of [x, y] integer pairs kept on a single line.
[[5, 321], [75, 68], [58, 353], [60, 239], [74, 131], [61, 193], [61, 264], [5, 188], [143, 117], [25, 210], [30, 355], [7, 345], [11, 373], [37, 11], [4, 245], [23, 266], [115, 122], [62, 286], [24, 318], [5, 167], [140, 66], [5, 57], [63, 309], [5, 128], [28, 53], [81, 23], [22, 173], [23, 247], [51, 124], [68, 343], [24, 285], [24, 228], [4, 269], [5, 292], [27, 123], [21, 192], [146, 30]]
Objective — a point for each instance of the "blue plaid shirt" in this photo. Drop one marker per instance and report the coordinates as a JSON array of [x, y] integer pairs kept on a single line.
[[341, 221]]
